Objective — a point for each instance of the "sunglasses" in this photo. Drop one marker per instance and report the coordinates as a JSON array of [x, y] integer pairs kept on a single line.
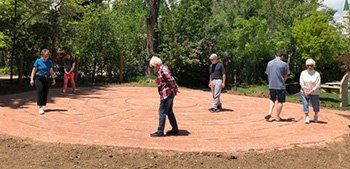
[[310, 65]]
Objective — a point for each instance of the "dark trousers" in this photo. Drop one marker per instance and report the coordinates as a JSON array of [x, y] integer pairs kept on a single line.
[[166, 108], [42, 85]]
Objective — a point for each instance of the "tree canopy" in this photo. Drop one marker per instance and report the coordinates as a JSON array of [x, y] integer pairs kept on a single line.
[[110, 37]]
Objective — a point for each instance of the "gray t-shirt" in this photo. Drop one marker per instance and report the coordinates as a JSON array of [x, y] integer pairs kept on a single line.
[[276, 70], [217, 70]]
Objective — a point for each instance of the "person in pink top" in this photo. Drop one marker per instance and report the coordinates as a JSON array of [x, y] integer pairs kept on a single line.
[[69, 66]]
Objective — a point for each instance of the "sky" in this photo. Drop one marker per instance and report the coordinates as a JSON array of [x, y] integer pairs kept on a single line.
[[337, 5]]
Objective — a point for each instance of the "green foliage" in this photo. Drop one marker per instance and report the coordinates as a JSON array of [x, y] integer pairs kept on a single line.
[[5, 70], [109, 37], [182, 32], [315, 38], [2, 40]]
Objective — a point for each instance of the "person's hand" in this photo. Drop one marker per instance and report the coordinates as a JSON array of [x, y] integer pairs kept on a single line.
[[53, 82], [31, 82], [222, 85], [210, 84], [177, 90]]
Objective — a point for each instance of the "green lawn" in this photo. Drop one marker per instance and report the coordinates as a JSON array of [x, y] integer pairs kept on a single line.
[[328, 100]]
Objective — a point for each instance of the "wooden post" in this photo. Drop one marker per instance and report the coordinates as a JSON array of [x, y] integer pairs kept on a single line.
[[344, 84]]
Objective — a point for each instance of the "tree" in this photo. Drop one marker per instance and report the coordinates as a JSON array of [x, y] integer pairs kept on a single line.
[[315, 39]]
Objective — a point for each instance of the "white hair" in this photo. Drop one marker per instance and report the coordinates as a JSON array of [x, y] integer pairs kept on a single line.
[[213, 56], [155, 61], [310, 62]]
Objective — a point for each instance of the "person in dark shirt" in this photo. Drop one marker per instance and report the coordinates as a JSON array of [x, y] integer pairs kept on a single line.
[[217, 80], [40, 77], [69, 66]]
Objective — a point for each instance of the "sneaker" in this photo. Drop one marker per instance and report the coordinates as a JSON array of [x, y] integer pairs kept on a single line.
[[315, 119], [212, 110], [41, 111], [156, 134], [307, 120], [172, 132]]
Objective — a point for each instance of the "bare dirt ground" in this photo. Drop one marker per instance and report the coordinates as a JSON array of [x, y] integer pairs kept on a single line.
[[16, 153], [108, 127]]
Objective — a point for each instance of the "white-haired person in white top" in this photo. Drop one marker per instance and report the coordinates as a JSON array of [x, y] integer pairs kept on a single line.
[[310, 81]]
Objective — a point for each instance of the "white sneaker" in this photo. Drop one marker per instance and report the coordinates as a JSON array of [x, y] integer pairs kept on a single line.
[[315, 119], [41, 111], [307, 120]]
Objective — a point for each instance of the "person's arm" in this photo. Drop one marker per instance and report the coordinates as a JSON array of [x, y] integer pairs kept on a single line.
[[72, 69], [170, 79], [286, 73], [210, 79], [32, 76], [52, 76], [223, 81], [318, 84], [223, 71], [302, 85]]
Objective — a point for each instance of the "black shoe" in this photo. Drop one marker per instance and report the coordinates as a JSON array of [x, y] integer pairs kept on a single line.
[[172, 132], [212, 110], [156, 134], [219, 109]]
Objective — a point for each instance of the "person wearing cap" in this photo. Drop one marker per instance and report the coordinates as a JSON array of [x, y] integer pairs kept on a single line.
[[40, 77], [167, 89], [310, 82], [277, 72], [217, 80]]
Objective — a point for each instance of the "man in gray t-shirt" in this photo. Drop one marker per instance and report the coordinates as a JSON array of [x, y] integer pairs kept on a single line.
[[277, 72], [217, 80]]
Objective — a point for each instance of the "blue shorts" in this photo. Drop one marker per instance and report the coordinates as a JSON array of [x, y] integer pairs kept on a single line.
[[314, 101]]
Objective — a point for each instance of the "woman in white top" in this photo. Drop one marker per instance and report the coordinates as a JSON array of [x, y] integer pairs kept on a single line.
[[310, 81]]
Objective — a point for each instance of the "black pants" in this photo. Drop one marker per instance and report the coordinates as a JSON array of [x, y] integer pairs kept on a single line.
[[42, 85]]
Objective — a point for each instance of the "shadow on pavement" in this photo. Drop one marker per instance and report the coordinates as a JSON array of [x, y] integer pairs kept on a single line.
[[55, 110], [181, 133]]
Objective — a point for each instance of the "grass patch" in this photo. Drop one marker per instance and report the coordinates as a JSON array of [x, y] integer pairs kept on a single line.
[[327, 100]]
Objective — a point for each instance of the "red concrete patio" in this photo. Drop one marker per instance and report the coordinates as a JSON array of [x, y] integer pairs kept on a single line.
[[125, 116]]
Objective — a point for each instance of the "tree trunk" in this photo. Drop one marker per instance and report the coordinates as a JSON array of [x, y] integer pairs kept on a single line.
[[14, 38], [121, 67], [77, 68], [3, 58], [20, 69], [152, 19], [94, 70]]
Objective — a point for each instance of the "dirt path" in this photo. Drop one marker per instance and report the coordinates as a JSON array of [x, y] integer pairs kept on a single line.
[[124, 116], [98, 122]]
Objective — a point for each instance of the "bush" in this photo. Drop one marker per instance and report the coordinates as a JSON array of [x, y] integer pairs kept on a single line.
[[7, 70]]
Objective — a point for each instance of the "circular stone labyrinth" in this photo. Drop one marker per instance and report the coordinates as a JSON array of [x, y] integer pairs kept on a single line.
[[125, 116]]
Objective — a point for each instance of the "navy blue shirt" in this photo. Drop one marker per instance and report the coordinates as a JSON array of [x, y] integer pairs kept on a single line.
[[43, 67]]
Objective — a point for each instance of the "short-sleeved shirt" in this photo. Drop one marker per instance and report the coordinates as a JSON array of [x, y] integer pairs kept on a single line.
[[43, 67], [68, 64], [217, 70], [276, 70]]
